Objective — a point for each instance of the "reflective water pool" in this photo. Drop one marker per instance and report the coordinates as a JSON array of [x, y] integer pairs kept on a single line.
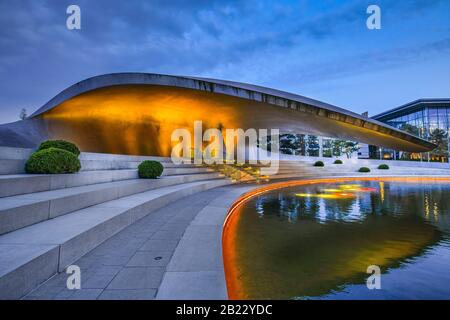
[[316, 241]]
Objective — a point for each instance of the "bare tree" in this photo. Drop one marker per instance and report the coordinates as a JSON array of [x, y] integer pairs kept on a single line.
[[23, 114]]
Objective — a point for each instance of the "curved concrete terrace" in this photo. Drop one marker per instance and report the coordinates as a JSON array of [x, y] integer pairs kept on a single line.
[[138, 236], [114, 113], [169, 254]]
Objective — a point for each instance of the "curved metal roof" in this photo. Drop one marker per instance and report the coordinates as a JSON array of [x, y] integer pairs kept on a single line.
[[240, 90]]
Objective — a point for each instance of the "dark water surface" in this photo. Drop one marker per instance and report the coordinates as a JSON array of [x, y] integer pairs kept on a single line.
[[317, 241]]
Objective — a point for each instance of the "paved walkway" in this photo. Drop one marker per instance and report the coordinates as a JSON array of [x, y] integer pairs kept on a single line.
[[131, 264]]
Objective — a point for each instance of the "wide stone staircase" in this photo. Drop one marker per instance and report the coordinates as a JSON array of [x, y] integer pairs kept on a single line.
[[306, 169], [49, 221]]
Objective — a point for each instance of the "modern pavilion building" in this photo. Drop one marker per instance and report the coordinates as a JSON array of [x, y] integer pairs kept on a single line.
[[135, 113]]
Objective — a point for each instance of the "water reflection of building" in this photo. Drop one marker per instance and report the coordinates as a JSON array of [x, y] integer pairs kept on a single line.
[[283, 205], [431, 201], [341, 209], [288, 206], [311, 258]]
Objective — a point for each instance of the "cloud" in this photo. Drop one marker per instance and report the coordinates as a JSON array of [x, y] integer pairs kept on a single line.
[[265, 42]]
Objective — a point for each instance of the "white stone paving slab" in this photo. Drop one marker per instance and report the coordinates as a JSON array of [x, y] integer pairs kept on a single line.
[[196, 269]]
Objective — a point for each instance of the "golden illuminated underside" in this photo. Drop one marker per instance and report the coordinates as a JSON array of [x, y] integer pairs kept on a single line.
[[139, 119]]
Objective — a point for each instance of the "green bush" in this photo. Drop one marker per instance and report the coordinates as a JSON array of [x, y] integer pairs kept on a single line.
[[338, 161], [60, 144], [150, 169], [364, 169], [53, 160], [319, 164], [383, 166]]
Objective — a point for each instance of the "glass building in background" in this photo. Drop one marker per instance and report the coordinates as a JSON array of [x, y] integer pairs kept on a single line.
[[426, 118]]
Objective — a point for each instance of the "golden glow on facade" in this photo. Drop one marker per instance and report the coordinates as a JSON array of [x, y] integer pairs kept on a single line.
[[139, 119]]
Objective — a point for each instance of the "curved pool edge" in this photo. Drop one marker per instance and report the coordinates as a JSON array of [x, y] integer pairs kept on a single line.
[[230, 274], [182, 281]]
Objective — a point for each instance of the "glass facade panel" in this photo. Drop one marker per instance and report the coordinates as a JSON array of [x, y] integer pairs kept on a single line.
[[424, 123], [421, 122]]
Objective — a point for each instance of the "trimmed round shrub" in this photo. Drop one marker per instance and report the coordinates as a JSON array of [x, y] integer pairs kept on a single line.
[[319, 164], [60, 144], [338, 161], [383, 166], [149, 169], [53, 160], [364, 169]]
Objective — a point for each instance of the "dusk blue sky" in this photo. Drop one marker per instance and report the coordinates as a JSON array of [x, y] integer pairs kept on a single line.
[[319, 49]]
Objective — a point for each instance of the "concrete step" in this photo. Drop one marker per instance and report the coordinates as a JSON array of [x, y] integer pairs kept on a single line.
[[313, 176], [17, 166], [411, 171], [23, 210], [186, 170], [12, 160], [91, 165], [92, 156], [350, 168], [373, 172], [297, 162], [28, 183], [12, 166], [300, 169], [295, 166], [31, 255], [295, 175], [311, 166], [317, 171]]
